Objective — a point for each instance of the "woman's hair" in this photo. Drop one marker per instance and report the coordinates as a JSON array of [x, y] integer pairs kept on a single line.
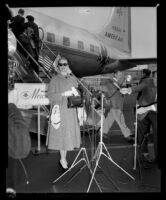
[[62, 58]]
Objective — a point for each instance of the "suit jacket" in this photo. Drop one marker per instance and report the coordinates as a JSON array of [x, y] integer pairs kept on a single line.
[[17, 25], [19, 142], [116, 99], [148, 91], [35, 28], [25, 40]]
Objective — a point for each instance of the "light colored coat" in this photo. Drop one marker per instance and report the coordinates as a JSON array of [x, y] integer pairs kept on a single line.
[[67, 135]]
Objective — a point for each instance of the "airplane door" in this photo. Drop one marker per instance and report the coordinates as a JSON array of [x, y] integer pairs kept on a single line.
[[104, 54]]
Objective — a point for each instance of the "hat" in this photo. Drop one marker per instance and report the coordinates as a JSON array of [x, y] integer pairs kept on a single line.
[[21, 11], [30, 18]]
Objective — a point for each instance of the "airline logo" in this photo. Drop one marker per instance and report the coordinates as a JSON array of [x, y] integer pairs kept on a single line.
[[32, 93], [114, 36]]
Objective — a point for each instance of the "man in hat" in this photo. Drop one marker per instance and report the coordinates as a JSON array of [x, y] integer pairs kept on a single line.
[[17, 23]]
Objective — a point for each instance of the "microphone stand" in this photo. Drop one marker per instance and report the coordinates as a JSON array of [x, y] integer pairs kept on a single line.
[[76, 161], [135, 139], [100, 152]]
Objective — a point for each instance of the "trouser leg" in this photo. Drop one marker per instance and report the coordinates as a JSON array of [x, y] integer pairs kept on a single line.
[[143, 128], [11, 173], [119, 117], [153, 118], [108, 121]]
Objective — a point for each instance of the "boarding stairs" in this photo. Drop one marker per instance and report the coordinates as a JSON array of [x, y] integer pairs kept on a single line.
[[26, 74]]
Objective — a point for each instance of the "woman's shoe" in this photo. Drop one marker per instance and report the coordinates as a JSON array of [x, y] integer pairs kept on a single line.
[[63, 164]]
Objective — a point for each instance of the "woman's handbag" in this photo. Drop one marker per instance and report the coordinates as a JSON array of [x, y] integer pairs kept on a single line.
[[74, 102]]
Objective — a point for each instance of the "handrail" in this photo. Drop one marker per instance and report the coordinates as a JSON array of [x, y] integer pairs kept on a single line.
[[44, 107], [72, 73], [48, 48], [20, 57], [33, 60]]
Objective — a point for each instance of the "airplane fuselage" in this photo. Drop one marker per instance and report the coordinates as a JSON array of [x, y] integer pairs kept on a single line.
[[86, 52]]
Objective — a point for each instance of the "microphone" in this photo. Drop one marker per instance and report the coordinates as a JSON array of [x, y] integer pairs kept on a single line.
[[116, 85]]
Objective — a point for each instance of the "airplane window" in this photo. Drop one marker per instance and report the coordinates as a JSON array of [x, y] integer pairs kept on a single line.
[[97, 49], [91, 48], [80, 45], [50, 37], [66, 41]]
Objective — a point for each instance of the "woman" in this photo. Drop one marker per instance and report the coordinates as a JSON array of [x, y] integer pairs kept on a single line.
[[64, 130]]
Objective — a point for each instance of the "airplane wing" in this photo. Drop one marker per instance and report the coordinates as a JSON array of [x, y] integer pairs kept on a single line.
[[125, 64]]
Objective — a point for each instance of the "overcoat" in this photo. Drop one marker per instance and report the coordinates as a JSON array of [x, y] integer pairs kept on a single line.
[[66, 136]]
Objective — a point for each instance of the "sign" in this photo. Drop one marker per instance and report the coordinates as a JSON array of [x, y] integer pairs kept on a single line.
[[31, 94]]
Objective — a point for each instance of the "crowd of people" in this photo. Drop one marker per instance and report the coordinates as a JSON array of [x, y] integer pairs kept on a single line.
[[146, 103]]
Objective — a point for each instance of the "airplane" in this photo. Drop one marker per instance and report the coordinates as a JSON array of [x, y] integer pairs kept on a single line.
[[90, 54]]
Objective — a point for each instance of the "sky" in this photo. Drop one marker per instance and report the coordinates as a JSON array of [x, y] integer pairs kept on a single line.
[[93, 19]]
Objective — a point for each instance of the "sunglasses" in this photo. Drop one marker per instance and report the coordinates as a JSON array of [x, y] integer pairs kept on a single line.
[[62, 64]]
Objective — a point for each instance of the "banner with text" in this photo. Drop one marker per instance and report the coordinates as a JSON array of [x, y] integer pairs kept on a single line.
[[31, 94]]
